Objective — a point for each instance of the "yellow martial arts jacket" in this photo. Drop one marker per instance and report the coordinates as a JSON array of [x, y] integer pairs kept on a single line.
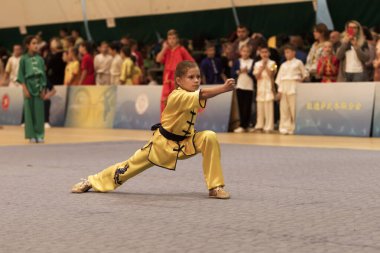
[[178, 118]]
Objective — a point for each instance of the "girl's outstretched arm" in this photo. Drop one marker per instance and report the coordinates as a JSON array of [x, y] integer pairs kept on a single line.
[[210, 92]]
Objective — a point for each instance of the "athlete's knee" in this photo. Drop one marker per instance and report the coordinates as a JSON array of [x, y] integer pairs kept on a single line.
[[210, 136]]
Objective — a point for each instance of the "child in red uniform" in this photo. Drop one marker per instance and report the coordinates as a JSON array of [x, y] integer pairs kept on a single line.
[[328, 64], [171, 54], [87, 65]]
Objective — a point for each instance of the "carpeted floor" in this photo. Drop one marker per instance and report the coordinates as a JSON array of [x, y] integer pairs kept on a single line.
[[283, 200]]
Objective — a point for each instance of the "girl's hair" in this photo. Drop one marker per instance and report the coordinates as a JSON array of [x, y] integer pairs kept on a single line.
[[359, 35], [115, 46], [126, 51], [322, 29], [172, 32], [74, 50], [58, 43], [183, 67], [246, 46], [28, 39], [88, 46]]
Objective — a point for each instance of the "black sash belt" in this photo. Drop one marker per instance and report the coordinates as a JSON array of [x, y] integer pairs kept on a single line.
[[168, 135]]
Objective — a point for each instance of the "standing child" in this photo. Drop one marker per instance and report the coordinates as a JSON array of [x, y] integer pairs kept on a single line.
[[115, 69], [211, 67], [31, 76], [291, 72], [242, 70], [72, 70], [171, 54], [11, 69], [102, 65], [328, 64], [264, 71], [127, 66], [175, 138], [87, 76]]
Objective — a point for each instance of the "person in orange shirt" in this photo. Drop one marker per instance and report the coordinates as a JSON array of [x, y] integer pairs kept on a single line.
[[171, 54]]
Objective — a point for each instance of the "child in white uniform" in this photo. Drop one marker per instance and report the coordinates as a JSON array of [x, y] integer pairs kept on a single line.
[[291, 72], [264, 71]]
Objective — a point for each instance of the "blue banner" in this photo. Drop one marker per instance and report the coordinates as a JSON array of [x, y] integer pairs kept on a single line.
[[12, 102], [216, 115], [137, 107], [376, 113], [342, 109]]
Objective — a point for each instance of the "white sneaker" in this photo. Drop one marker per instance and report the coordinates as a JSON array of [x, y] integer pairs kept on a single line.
[[239, 130], [22, 125], [47, 125], [283, 131]]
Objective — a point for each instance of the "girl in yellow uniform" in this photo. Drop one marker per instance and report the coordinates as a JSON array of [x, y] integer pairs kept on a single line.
[[173, 139]]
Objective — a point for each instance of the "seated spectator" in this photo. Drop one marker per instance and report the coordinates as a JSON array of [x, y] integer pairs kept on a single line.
[[353, 54], [211, 67], [328, 64]]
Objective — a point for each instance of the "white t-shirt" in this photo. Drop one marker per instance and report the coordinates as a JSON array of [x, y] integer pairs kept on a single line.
[[244, 81], [12, 69], [264, 83], [353, 64]]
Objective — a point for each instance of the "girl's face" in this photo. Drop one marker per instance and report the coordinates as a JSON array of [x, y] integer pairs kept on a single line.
[[245, 52], [264, 53], [191, 80], [317, 35], [33, 46], [327, 48]]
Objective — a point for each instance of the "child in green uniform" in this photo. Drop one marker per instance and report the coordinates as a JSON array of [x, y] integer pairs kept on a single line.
[[31, 75]]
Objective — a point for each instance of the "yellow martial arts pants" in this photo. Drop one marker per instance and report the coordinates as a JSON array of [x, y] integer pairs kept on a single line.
[[205, 142]]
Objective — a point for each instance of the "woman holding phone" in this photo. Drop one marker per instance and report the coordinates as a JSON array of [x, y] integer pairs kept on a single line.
[[353, 54]]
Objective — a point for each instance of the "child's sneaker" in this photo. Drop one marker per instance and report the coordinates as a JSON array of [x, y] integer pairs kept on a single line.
[[239, 130], [82, 186], [218, 193]]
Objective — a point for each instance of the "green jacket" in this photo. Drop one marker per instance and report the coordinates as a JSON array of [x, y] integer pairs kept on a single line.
[[31, 72]]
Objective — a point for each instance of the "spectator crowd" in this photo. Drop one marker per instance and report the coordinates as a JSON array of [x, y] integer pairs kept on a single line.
[[266, 70]]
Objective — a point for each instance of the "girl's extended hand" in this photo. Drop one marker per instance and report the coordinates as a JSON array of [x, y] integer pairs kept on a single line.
[[229, 84]]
